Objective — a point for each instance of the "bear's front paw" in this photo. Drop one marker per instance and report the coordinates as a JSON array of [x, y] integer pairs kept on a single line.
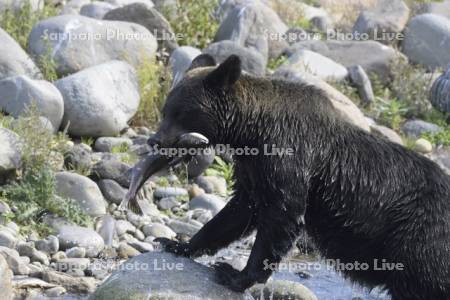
[[177, 248], [230, 277]]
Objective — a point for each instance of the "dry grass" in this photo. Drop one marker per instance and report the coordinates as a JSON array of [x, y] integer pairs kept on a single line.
[[290, 11], [411, 86], [345, 12]]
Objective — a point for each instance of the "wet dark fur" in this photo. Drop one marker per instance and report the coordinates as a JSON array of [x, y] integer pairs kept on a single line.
[[361, 197]]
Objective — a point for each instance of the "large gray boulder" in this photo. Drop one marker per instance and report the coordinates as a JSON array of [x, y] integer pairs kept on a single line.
[[99, 101], [180, 60], [78, 42], [83, 190], [14, 60], [252, 61], [388, 16], [427, 41], [374, 57], [148, 17], [341, 103], [20, 92], [75, 236], [305, 61], [159, 275], [254, 24], [10, 154], [6, 289]]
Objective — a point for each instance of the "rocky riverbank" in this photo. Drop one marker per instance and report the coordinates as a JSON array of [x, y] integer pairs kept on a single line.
[[81, 87]]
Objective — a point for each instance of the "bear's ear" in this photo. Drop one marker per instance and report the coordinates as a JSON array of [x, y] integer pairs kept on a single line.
[[203, 60], [226, 74]]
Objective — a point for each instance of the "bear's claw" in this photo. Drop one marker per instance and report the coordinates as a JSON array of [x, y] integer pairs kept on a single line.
[[177, 248], [230, 277]]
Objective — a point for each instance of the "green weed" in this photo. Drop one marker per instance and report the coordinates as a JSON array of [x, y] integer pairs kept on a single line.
[[195, 21], [437, 117], [274, 63], [80, 169], [154, 82], [163, 182], [411, 86], [33, 195], [47, 65], [390, 113], [223, 169], [19, 23], [39, 146], [350, 91], [122, 148], [87, 141], [439, 138], [409, 143]]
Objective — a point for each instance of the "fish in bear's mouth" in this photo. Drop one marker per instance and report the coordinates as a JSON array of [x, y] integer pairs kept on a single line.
[[154, 162]]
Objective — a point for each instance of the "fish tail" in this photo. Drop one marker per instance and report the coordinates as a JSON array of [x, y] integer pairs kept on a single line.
[[134, 206], [130, 202]]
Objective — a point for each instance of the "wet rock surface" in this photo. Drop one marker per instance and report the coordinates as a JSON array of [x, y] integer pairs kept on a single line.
[[192, 280]]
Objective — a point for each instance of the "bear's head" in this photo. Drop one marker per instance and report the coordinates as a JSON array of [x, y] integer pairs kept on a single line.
[[194, 116], [201, 102]]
